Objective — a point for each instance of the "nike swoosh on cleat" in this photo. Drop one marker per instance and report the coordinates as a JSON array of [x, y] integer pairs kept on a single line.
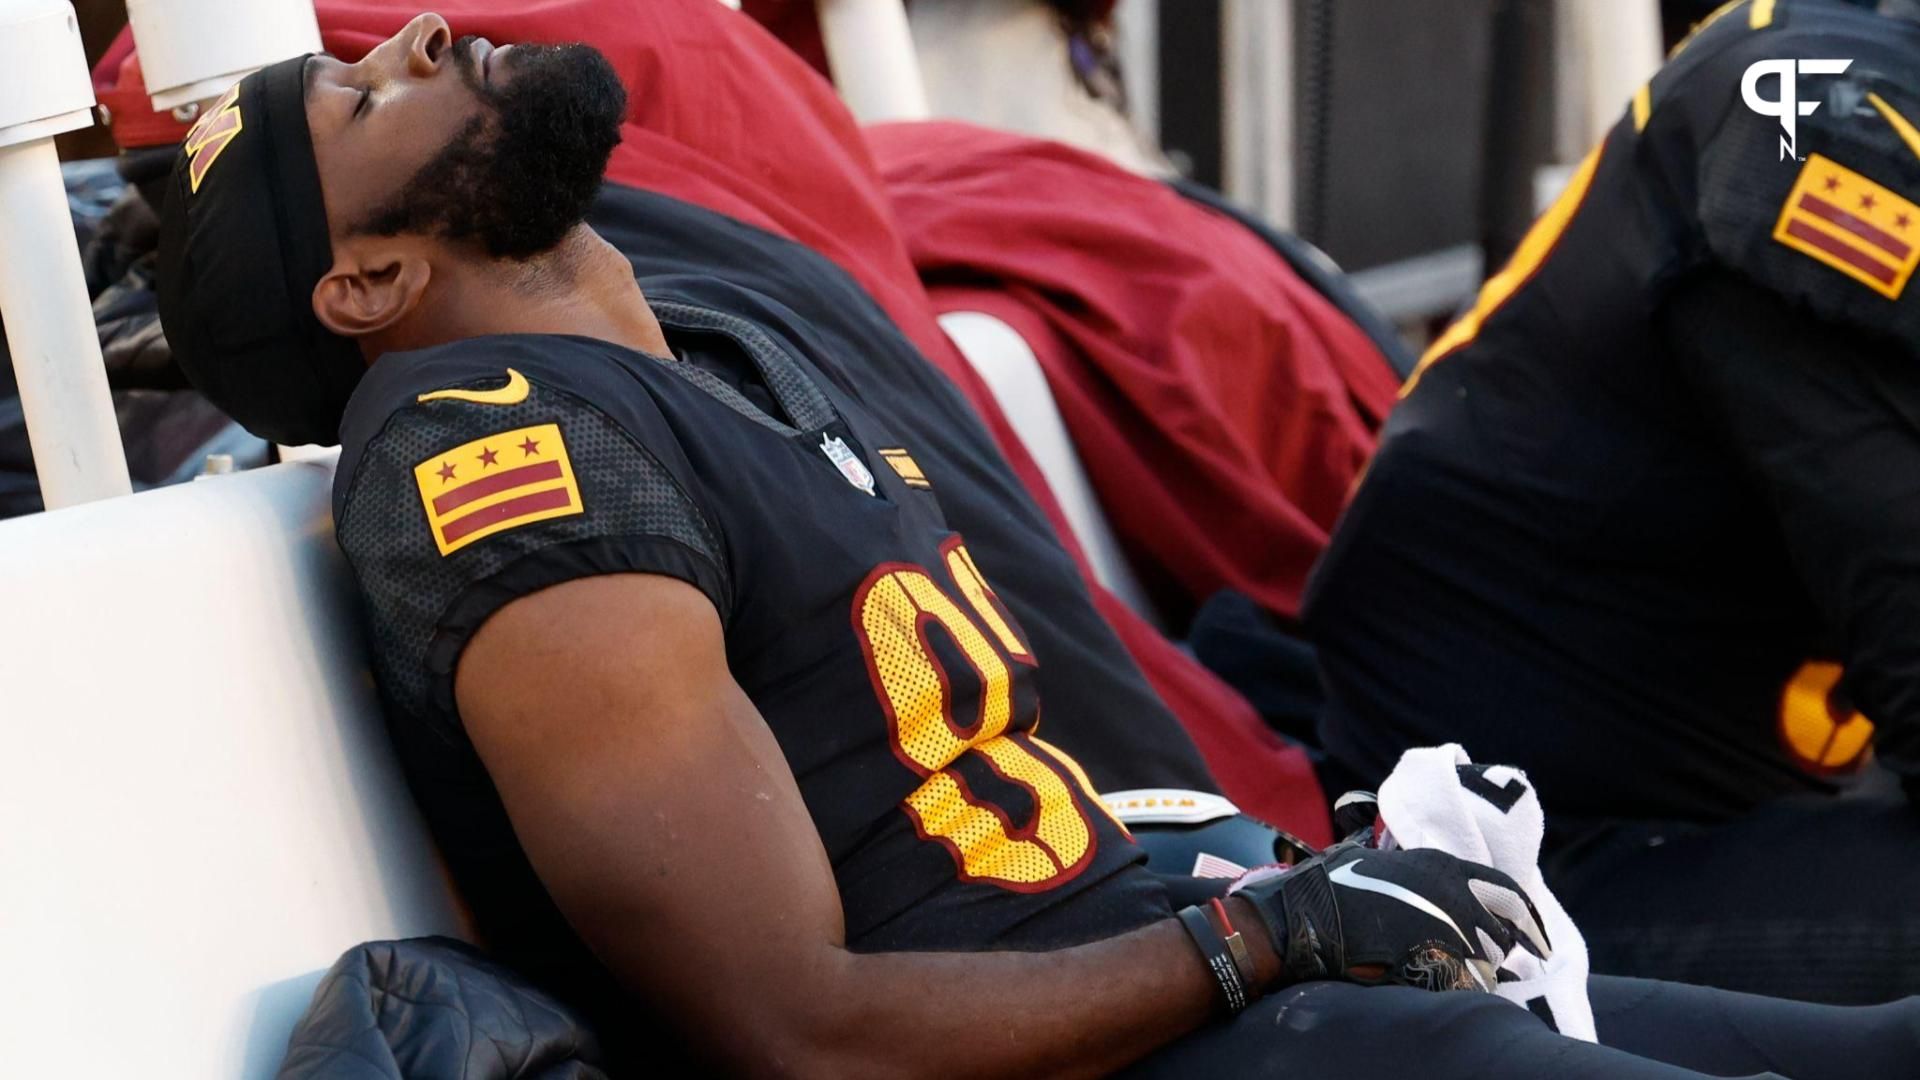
[[1347, 875]]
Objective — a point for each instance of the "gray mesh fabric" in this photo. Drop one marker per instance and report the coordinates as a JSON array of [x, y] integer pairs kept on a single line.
[[728, 396], [798, 394]]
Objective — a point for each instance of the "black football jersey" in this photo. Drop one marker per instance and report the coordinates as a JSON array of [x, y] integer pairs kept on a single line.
[[897, 678], [1578, 547], [1100, 707]]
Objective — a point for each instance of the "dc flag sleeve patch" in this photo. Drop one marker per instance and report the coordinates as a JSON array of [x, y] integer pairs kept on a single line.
[[1840, 218], [501, 482]]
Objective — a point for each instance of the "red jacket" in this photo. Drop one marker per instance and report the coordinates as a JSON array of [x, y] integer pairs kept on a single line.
[[1221, 406], [797, 24]]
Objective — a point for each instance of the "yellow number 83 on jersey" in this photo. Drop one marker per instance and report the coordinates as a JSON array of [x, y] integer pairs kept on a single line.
[[891, 613]]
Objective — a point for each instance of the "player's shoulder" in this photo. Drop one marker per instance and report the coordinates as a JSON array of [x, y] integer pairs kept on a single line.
[[490, 374], [415, 405], [1740, 66], [1792, 132], [482, 471], [1700, 90], [488, 448], [461, 460], [1737, 34]]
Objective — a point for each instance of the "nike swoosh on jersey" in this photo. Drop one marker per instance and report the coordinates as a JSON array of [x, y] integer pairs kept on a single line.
[[1346, 875], [513, 393]]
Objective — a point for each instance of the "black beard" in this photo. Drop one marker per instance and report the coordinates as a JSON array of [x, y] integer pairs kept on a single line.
[[521, 175]]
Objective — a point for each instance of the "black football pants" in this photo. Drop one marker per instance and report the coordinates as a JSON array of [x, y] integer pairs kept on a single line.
[[1815, 898], [1648, 1031]]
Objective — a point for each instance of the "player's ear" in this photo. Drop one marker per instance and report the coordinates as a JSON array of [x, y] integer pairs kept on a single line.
[[375, 282]]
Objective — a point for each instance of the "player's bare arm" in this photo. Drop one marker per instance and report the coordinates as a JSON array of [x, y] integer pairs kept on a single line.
[[661, 815], [658, 810]]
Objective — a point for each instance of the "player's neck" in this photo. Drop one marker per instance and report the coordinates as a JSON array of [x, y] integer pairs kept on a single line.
[[584, 286]]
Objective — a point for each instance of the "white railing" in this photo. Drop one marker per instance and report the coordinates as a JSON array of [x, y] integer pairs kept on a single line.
[[192, 50], [199, 805], [189, 50], [45, 90], [875, 69]]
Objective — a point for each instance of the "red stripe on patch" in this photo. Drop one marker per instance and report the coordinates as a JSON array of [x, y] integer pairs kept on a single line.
[[454, 531], [498, 482], [1865, 230], [1853, 257]]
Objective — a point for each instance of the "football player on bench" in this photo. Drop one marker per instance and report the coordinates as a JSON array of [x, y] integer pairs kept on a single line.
[[714, 715], [1646, 522]]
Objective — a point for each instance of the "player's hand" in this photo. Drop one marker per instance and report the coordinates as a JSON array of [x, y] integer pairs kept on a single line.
[[1411, 918]]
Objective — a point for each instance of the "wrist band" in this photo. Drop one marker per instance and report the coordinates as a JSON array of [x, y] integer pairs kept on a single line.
[[1233, 992], [1236, 945]]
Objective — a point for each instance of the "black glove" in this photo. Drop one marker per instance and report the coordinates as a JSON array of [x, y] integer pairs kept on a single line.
[[1410, 918]]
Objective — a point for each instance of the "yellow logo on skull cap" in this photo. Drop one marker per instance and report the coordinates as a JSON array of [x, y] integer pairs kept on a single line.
[[209, 138]]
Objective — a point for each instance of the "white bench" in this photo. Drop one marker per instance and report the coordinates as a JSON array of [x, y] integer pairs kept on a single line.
[[199, 809], [1007, 364]]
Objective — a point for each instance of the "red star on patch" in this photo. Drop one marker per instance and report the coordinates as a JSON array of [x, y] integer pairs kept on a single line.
[[1902, 221], [446, 471], [1867, 201], [488, 456], [1833, 183], [530, 447]]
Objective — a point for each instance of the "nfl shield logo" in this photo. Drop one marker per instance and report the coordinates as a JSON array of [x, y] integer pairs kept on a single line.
[[847, 462]]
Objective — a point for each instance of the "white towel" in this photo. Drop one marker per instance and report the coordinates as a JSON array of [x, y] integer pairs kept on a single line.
[[1489, 814]]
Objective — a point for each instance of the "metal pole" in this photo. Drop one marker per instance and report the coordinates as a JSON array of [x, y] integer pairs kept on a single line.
[[1256, 42], [56, 351], [870, 48], [44, 90], [1137, 30], [1606, 50]]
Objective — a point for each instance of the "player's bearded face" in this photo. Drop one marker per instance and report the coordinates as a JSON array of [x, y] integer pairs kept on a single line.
[[523, 172]]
